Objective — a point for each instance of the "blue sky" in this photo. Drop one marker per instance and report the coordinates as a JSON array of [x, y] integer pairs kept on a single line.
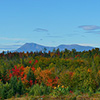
[[49, 22]]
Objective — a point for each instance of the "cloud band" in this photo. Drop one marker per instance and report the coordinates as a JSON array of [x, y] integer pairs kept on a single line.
[[89, 27]]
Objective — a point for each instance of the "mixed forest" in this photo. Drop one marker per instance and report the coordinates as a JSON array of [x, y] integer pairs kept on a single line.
[[55, 73]]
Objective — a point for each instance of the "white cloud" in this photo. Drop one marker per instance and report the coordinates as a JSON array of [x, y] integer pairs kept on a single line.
[[89, 27], [83, 44]]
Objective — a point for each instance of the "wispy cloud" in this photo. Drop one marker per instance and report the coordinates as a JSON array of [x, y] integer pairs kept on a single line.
[[40, 30], [71, 35], [89, 27], [96, 32], [11, 39], [92, 45], [9, 47], [87, 44], [54, 36], [18, 42]]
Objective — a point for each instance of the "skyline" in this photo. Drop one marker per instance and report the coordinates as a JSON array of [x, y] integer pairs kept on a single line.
[[49, 22]]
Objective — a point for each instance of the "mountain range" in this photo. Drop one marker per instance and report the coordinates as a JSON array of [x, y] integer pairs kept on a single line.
[[36, 47]]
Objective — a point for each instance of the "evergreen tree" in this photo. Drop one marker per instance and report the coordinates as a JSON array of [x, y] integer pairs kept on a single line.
[[4, 75], [4, 93], [5, 89], [29, 75], [20, 87], [14, 85]]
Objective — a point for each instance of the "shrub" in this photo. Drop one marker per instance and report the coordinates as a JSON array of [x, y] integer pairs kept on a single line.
[[60, 90], [10, 93], [38, 90]]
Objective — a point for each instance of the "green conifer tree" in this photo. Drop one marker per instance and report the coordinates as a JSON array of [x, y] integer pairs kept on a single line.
[[14, 85], [20, 87]]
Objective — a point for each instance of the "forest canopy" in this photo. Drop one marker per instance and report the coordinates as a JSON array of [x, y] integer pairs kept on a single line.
[[49, 73]]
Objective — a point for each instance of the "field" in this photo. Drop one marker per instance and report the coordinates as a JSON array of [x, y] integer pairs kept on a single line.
[[49, 75]]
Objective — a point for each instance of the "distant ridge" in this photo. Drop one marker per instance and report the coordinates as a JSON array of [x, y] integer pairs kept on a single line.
[[36, 47]]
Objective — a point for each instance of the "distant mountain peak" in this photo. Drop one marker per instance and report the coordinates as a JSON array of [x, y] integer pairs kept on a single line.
[[37, 47]]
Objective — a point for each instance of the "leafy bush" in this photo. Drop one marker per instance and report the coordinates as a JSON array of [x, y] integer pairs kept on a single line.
[[10, 93], [60, 90], [38, 90]]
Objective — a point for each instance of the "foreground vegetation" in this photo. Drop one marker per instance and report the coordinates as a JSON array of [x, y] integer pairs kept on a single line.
[[55, 74]]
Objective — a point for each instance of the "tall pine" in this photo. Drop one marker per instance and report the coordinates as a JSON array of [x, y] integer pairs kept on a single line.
[[20, 87]]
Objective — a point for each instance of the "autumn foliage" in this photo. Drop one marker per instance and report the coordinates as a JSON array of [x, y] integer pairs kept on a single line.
[[58, 71]]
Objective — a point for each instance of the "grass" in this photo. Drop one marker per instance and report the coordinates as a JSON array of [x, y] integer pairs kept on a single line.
[[95, 96]]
